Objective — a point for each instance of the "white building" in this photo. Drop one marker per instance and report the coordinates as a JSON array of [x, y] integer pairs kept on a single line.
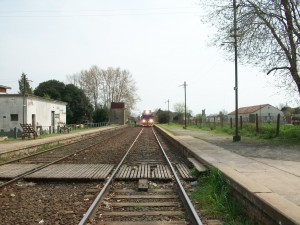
[[39, 112], [265, 112]]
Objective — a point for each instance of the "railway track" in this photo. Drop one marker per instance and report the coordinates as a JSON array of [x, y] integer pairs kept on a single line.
[[139, 188], [24, 166], [63, 199], [151, 191], [27, 150]]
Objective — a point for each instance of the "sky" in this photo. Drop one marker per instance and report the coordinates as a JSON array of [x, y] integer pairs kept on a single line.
[[163, 44]]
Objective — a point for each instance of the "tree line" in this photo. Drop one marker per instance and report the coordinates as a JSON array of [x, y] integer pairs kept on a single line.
[[88, 93], [103, 86]]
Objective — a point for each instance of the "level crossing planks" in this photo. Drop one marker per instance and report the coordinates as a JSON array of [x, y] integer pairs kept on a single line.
[[73, 171], [144, 171], [15, 169]]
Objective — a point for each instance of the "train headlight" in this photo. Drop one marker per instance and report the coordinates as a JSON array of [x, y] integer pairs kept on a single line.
[[151, 120], [143, 120]]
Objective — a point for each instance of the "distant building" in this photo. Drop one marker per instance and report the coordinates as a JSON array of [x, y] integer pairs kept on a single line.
[[37, 111], [265, 112], [117, 113], [3, 89]]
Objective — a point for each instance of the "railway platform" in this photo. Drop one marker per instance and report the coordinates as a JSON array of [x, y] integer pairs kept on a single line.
[[19, 144], [268, 176]]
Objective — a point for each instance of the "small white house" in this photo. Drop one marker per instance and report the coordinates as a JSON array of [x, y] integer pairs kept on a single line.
[[39, 112], [265, 112]]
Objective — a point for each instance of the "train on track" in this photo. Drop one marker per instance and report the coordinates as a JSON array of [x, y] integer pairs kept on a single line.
[[147, 118]]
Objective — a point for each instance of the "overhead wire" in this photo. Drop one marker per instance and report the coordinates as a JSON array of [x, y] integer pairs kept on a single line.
[[100, 12]]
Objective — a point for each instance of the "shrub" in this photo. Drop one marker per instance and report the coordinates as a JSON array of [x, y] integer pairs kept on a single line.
[[213, 195]]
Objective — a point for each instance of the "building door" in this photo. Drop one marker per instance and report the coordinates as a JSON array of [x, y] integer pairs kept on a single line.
[[33, 121], [52, 120], [5, 122]]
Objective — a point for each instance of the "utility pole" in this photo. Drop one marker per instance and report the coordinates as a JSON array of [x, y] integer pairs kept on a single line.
[[184, 85], [236, 137], [24, 91], [168, 112]]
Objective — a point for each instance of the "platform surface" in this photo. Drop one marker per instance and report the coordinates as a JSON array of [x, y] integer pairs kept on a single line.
[[270, 174], [13, 145]]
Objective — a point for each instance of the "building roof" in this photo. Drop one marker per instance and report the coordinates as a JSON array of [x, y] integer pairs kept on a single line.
[[33, 97], [249, 109], [5, 87]]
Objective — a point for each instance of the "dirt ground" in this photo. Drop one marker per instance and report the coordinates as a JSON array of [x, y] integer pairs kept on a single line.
[[247, 147]]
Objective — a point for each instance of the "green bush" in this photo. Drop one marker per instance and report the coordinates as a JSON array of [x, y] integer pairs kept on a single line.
[[289, 132], [213, 195]]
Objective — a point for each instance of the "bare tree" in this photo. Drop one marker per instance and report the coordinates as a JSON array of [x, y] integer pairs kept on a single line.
[[89, 81], [119, 86], [106, 86], [179, 107], [268, 35]]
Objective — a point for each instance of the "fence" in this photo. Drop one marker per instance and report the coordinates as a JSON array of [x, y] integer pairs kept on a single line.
[[45, 130], [213, 122]]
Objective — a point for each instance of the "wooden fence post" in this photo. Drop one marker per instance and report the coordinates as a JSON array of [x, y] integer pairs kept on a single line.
[[256, 122], [230, 123], [278, 125], [214, 122], [15, 133], [241, 122]]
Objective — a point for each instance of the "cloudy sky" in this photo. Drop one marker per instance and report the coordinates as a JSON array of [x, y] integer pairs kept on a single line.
[[161, 42]]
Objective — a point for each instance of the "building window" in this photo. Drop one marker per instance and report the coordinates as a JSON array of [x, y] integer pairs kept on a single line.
[[14, 117]]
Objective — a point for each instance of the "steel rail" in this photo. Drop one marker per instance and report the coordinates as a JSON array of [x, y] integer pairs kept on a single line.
[[95, 203], [193, 216], [83, 136], [22, 175]]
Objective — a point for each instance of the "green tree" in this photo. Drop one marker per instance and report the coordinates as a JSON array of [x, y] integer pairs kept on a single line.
[[162, 116], [51, 88], [179, 109], [79, 108], [101, 114], [22, 80], [78, 103]]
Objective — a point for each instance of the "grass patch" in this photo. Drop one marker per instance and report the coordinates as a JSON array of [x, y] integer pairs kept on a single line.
[[288, 134], [46, 147], [19, 155], [3, 159], [213, 196]]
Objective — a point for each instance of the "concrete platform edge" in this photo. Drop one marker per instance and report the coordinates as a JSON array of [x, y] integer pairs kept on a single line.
[[284, 212]]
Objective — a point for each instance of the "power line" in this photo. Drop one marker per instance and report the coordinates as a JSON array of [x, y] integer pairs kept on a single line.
[[102, 12]]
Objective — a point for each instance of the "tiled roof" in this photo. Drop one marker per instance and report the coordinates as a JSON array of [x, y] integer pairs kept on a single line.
[[249, 109]]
